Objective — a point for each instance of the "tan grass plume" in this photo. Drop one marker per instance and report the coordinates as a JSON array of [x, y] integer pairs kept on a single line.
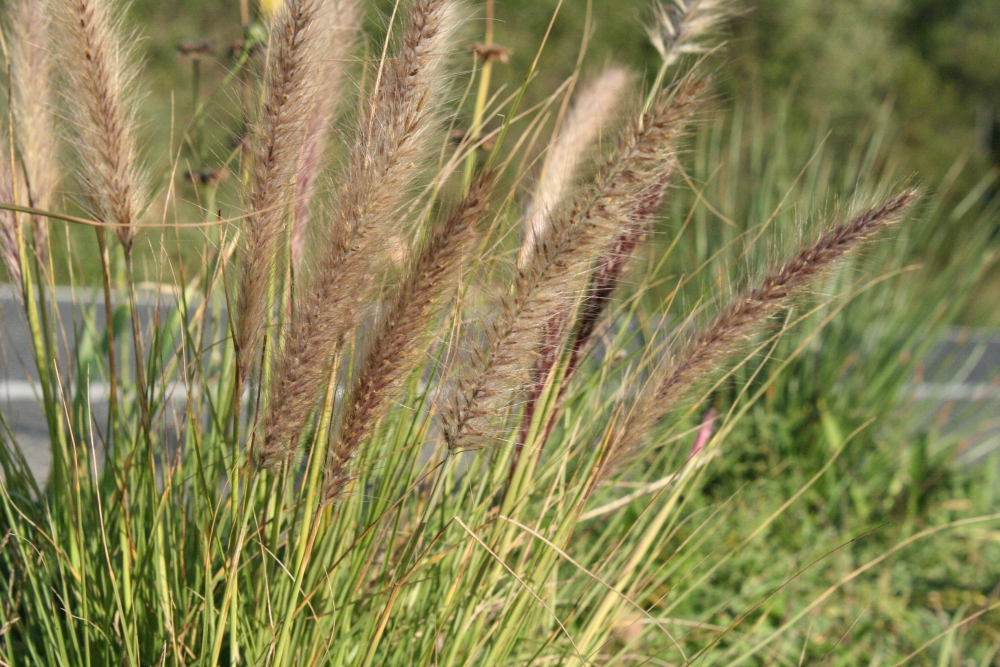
[[559, 260], [684, 27], [612, 268], [9, 220], [331, 79], [395, 345], [99, 61], [604, 281], [33, 107], [394, 136], [593, 111], [746, 315], [301, 34]]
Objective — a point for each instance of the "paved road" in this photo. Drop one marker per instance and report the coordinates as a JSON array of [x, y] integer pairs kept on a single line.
[[958, 387], [19, 391]]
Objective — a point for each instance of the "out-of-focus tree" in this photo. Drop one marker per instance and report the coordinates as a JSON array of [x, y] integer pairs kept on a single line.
[[962, 41], [933, 64], [936, 63]]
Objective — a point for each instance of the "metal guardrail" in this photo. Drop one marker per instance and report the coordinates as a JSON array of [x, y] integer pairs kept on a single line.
[[957, 386]]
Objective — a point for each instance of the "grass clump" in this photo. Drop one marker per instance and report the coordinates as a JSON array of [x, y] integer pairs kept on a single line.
[[394, 424]]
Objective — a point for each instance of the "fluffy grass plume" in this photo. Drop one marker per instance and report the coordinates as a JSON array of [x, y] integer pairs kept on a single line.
[[9, 220], [746, 315], [33, 107], [160, 539], [605, 280], [550, 277], [394, 350], [592, 112], [330, 82], [685, 27], [612, 267], [394, 135], [97, 57], [302, 36]]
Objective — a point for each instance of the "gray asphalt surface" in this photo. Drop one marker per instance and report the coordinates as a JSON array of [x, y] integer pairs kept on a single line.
[[957, 389], [20, 397]]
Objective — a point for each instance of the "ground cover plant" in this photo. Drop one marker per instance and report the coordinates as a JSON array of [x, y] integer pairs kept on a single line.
[[439, 391]]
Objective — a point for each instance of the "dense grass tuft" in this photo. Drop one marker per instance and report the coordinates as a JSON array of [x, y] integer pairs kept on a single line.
[[442, 396]]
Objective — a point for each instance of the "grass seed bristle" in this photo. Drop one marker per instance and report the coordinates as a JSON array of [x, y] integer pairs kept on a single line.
[[552, 273], [746, 315], [393, 138]]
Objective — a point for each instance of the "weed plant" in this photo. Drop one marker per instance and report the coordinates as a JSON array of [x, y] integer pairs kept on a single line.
[[420, 404]]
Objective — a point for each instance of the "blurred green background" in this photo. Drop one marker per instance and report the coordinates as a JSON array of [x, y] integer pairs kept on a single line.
[[936, 65]]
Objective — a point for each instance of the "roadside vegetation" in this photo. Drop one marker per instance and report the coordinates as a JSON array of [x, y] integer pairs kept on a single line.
[[465, 359]]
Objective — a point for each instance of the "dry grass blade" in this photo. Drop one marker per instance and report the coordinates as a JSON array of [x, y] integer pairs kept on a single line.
[[99, 64], [32, 106], [393, 138], [395, 347], [592, 112], [744, 316], [564, 253], [301, 37]]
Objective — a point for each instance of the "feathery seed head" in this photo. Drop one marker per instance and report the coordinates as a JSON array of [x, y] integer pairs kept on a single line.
[[303, 31], [612, 266], [100, 65], [574, 239], [593, 111], [746, 315], [329, 84], [397, 340], [9, 251], [32, 106], [394, 136], [683, 27]]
